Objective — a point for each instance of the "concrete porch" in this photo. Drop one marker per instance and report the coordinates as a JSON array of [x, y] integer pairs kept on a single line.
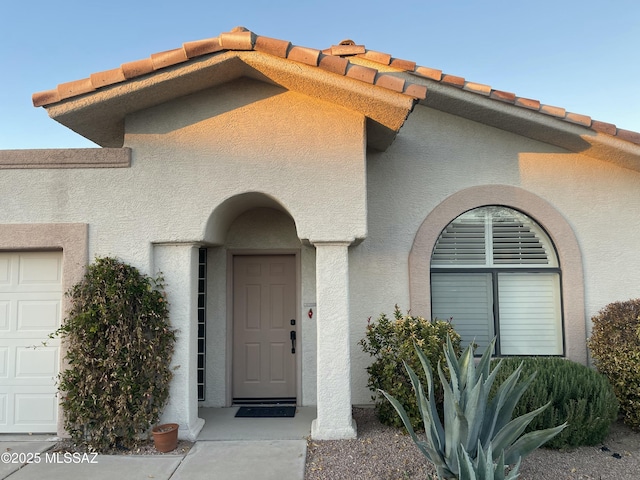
[[220, 424]]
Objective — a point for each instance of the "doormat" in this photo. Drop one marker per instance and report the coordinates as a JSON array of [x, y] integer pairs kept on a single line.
[[265, 412]]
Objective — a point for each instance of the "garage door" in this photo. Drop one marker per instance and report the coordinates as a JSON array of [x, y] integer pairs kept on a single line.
[[30, 309]]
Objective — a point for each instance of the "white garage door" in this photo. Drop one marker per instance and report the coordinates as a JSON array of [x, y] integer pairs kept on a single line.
[[30, 309]]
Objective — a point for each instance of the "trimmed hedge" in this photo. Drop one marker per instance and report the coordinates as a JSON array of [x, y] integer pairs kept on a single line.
[[578, 395], [615, 346]]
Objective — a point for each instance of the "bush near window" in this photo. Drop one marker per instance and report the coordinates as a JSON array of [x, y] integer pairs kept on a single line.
[[119, 347], [615, 347], [391, 342], [577, 395]]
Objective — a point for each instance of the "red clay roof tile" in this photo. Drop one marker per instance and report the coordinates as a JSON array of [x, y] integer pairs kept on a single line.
[[453, 80], [347, 47], [272, 46], [306, 55], [553, 111], [391, 82], [417, 91], [168, 58], [333, 64], [108, 77], [202, 47], [137, 68], [528, 103], [334, 59], [77, 87], [604, 127], [628, 135], [583, 120], [378, 57], [364, 74], [237, 39], [45, 98], [503, 96], [431, 73], [403, 64], [477, 88]]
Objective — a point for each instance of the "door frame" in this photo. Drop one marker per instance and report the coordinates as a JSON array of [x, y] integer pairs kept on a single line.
[[229, 309]]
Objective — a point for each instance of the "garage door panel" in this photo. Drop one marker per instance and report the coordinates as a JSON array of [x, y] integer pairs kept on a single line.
[[30, 309], [38, 315], [5, 270], [4, 363], [5, 314], [39, 269], [4, 414], [35, 409], [36, 363]]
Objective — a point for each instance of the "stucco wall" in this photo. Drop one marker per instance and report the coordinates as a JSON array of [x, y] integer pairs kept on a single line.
[[437, 155]]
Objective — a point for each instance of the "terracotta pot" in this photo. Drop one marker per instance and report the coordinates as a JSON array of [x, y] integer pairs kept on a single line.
[[165, 437]]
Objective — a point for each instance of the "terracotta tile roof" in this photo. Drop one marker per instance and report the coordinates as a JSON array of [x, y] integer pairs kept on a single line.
[[340, 59]]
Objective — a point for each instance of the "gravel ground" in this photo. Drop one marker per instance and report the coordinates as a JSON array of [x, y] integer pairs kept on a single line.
[[384, 453]]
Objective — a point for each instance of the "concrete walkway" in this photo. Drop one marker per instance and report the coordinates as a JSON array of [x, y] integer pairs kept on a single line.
[[228, 448]]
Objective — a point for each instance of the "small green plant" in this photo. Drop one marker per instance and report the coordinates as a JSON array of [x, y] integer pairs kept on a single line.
[[576, 394], [119, 347], [615, 346], [390, 342], [478, 437]]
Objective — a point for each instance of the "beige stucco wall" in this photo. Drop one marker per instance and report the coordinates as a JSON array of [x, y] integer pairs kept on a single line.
[[434, 158]]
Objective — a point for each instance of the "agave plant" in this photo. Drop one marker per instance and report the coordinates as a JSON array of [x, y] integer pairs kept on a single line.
[[478, 438]]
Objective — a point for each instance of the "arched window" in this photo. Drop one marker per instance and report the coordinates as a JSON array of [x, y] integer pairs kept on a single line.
[[495, 272]]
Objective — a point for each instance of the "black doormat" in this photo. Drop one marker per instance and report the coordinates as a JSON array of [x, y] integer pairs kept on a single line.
[[264, 412]]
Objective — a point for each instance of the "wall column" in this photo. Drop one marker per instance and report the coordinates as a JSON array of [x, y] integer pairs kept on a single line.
[[178, 264], [333, 353]]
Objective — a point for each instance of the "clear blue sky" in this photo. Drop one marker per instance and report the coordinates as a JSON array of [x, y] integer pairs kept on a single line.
[[583, 55]]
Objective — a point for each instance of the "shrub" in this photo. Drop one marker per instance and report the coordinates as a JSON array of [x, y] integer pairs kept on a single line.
[[119, 347], [615, 346], [479, 436], [576, 394], [391, 342]]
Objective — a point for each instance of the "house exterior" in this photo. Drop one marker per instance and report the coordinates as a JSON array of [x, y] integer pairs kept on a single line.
[[288, 194]]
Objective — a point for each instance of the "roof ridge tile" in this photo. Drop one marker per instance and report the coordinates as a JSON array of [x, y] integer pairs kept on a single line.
[[202, 47], [272, 46], [168, 58], [306, 55]]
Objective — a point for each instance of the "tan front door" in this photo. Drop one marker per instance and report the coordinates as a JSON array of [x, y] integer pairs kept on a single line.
[[264, 306]]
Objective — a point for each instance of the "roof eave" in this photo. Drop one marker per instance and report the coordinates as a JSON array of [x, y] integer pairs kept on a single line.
[[532, 124], [100, 115]]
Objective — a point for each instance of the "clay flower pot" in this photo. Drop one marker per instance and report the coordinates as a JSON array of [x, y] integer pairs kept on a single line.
[[165, 437]]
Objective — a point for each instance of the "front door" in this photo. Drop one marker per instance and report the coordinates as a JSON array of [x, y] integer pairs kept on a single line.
[[264, 328]]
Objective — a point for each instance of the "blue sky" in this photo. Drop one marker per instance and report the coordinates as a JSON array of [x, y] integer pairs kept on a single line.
[[580, 55]]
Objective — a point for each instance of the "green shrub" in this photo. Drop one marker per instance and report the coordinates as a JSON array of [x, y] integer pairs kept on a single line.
[[615, 347], [391, 342], [577, 395], [479, 437], [119, 347]]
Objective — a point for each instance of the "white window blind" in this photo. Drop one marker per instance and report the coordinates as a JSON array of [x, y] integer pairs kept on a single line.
[[467, 298], [498, 247], [493, 236], [530, 313]]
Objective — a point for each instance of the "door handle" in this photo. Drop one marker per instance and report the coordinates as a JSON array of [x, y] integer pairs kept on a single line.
[[292, 335]]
